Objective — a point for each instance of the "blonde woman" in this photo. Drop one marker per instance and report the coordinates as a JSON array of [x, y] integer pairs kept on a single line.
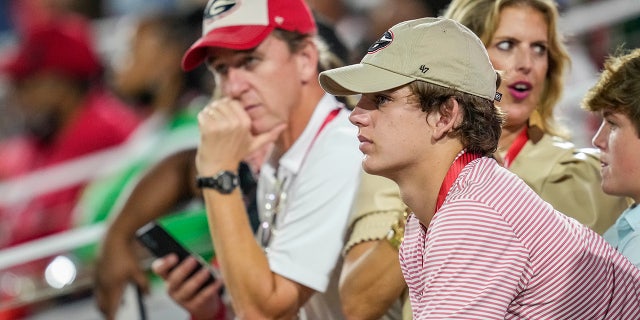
[[523, 42]]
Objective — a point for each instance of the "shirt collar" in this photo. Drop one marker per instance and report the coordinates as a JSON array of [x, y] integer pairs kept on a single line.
[[292, 160], [628, 222]]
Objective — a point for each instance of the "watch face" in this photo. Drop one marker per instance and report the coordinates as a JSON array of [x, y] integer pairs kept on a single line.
[[226, 181]]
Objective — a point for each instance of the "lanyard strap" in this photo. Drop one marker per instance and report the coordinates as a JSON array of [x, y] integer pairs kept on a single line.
[[332, 115], [279, 196], [460, 162], [515, 147]]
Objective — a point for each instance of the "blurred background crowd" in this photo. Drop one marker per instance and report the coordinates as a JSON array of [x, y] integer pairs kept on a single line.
[[92, 95]]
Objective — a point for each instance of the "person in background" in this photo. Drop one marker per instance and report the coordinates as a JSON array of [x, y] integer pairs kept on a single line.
[[266, 59], [68, 122], [523, 42], [158, 178], [150, 79], [479, 243], [68, 114], [615, 98]]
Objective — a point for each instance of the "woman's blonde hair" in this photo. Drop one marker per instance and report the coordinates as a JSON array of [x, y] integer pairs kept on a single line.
[[482, 17]]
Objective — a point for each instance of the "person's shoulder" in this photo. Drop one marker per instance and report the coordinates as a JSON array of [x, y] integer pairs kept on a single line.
[[17, 156], [586, 154], [484, 169], [566, 152], [554, 145], [555, 160], [373, 183], [485, 179], [107, 111], [569, 153], [377, 194]]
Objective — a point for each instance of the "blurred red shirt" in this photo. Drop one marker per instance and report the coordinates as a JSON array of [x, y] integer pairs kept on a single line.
[[102, 122]]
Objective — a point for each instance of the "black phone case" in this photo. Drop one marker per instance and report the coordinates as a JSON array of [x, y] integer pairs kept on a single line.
[[161, 243]]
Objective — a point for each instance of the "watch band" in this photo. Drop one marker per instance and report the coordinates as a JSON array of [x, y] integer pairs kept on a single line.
[[224, 181], [395, 236]]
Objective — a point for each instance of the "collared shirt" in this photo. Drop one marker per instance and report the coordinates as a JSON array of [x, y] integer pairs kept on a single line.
[[496, 250], [319, 175], [624, 235]]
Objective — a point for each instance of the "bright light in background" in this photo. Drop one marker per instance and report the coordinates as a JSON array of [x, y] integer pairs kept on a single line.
[[60, 272]]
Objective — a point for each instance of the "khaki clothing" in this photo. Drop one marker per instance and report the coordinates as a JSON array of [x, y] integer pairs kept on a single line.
[[377, 207], [569, 179]]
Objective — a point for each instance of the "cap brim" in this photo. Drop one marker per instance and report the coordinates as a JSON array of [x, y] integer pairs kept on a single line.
[[235, 38], [360, 78]]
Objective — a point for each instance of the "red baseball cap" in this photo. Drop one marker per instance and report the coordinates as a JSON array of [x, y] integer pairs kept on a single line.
[[243, 24], [60, 46]]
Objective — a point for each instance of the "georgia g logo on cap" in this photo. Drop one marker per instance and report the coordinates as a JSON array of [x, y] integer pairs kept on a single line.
[[215, 9], [384, 41]]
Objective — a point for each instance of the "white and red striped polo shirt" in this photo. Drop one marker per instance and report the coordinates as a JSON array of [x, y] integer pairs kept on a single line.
[[495, 250]]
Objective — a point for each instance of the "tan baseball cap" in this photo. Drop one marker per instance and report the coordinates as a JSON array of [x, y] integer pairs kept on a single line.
[[436, 50]]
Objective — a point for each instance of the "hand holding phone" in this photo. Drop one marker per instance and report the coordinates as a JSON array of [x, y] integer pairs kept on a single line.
[[161, 243]]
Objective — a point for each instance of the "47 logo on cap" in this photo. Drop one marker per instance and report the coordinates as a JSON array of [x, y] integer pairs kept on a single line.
[[215, 8], [383, 42]]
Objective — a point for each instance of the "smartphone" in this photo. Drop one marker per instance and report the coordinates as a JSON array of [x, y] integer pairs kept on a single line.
[[155, 238], [131, 306]]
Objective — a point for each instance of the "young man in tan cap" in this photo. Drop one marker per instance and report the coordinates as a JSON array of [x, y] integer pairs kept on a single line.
[[265, 59], [479, 243]]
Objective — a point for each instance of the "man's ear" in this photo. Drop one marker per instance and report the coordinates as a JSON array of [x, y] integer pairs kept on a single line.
[[449, 117], [308, 58]]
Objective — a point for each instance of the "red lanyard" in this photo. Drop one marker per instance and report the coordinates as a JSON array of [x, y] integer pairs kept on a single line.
[[460, 162], [332, 115], [515, 147]]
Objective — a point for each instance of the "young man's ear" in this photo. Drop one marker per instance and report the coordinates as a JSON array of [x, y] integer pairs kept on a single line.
[[449, 117]]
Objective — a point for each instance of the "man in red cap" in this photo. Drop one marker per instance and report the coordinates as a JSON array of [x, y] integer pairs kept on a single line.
[[54, 76], [265, 59]]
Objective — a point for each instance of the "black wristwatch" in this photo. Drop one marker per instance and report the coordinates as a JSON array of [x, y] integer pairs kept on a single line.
[[224, 181]]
